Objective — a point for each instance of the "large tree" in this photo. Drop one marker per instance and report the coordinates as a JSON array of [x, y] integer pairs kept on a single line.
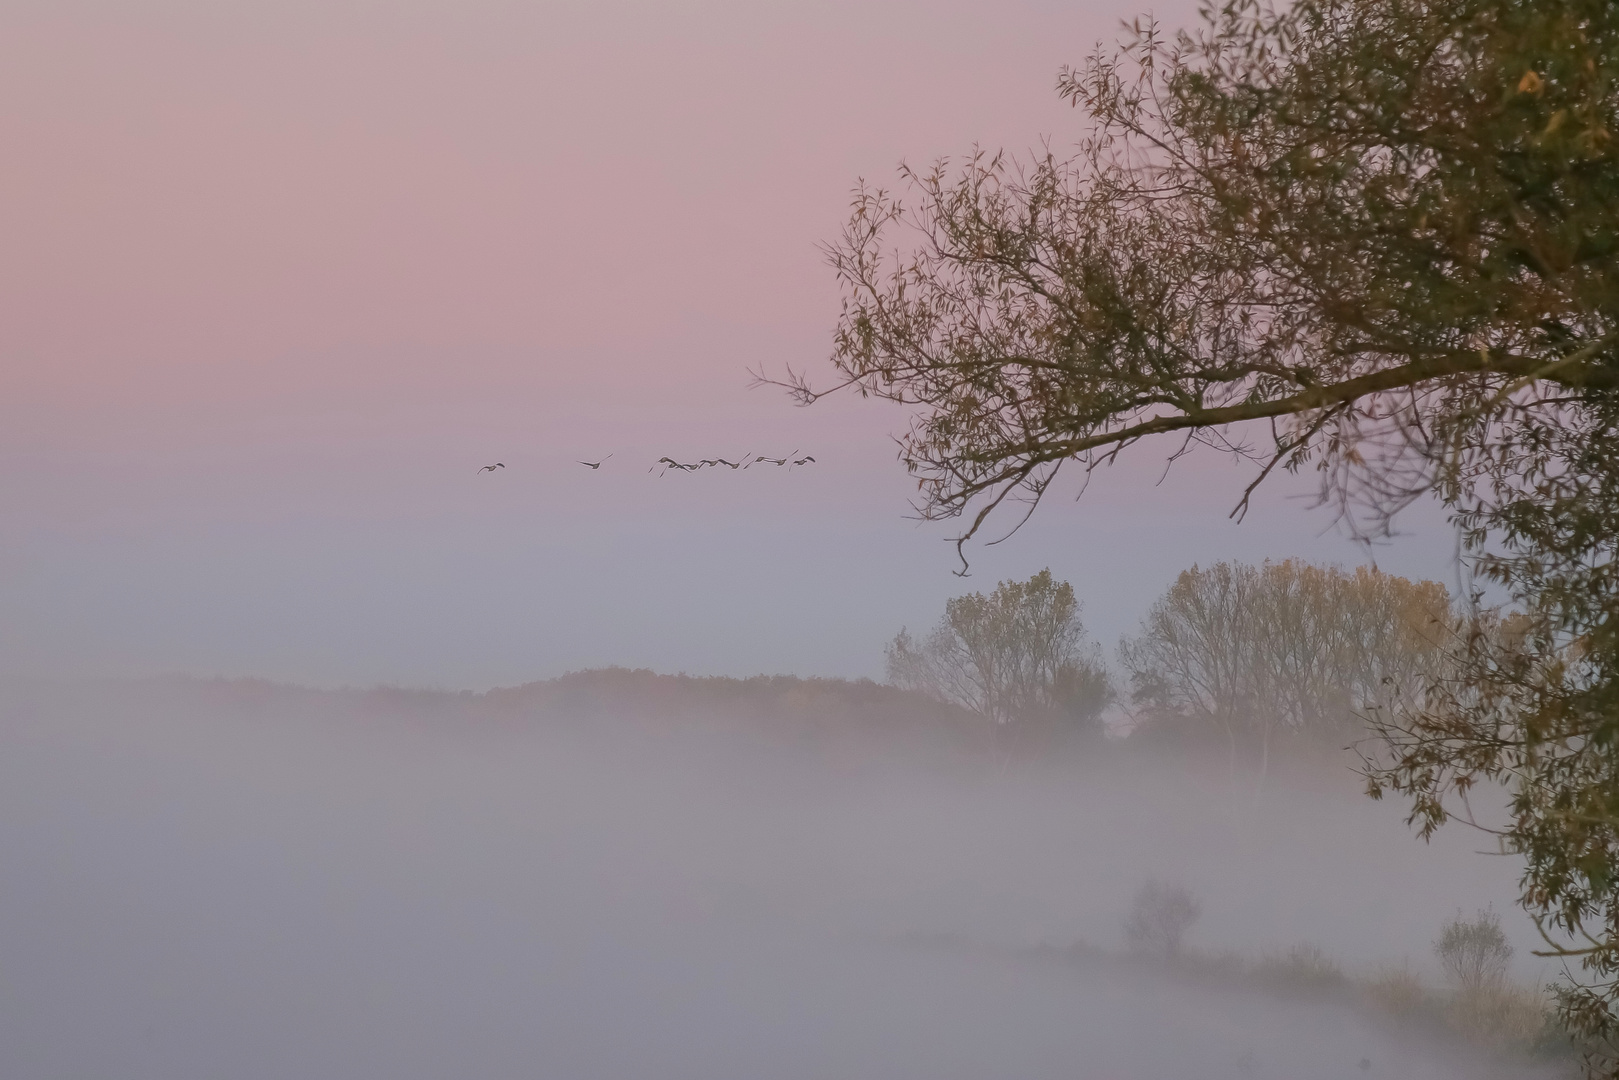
[[1019, 657], [1285, 648], [1378, 238]]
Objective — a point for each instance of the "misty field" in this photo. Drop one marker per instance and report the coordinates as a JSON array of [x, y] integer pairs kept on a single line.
[[581, 880]]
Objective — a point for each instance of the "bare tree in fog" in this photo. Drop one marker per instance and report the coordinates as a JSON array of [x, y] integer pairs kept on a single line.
[[1190, 659], [1284, 648], [1475, 951], [1017, 656], [1160, 914]]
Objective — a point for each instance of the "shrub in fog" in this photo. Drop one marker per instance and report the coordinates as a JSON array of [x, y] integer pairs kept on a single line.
[[1253, 651], [1503, 1015], [1475, 951], [1160, 914], [1019, 654], [1301, 969], [1398, 992]]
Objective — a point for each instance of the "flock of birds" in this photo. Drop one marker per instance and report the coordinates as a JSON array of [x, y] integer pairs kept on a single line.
[[741, 463], [668, 463]]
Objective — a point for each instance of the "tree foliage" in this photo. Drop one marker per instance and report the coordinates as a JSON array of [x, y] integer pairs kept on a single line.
[[1376, 238], [1360, 223], [1285, 647], [1020, 654]]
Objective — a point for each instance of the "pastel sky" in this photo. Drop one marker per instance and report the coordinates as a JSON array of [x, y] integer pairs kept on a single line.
[[276, 278]]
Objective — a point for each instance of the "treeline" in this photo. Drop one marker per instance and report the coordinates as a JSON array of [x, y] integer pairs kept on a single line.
[[800, 707], [1233, 656], [1240, 653], [850, 718]]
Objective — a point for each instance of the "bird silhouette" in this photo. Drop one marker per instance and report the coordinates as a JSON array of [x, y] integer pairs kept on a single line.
[[492, 468], [805, 460], [595, 464], [777, 461]]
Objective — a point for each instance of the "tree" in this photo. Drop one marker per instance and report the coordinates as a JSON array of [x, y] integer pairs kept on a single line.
[[1365, 224], [1189, 659], [1381, 239], [1285, 647], [1475, 951], [1160, 915], [1019, 655]]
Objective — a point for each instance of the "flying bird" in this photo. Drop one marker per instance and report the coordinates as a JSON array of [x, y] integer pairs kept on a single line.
[[805, 460], [595, 464], [492, 468], [777, 461]]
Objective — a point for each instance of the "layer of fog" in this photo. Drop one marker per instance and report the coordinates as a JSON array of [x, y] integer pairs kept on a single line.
[[299, 886]]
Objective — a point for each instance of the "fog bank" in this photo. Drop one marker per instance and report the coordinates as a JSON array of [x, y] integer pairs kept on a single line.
[[234, 879]]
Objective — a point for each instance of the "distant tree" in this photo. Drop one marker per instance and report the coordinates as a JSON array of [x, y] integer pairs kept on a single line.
[[1018, 655], [1160, 915], [1285, 647], [1190, 658], [1475, 951]]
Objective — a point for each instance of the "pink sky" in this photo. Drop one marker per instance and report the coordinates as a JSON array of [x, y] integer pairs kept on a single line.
[[276, 278]]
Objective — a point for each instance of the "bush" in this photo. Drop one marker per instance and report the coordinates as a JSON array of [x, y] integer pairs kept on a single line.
[[1475, 951], [1397, 992], [1160, 915], [1303, 968], [1501, 1014]]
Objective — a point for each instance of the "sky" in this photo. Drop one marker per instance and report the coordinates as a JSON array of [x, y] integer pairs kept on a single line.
[[277, 279]]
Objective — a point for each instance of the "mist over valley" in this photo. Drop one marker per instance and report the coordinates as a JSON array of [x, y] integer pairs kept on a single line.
[[618, 874]]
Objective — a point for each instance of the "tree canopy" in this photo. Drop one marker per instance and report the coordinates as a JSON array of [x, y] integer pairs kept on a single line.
[[1372, 227], [1017, 656], [1284, 648]]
